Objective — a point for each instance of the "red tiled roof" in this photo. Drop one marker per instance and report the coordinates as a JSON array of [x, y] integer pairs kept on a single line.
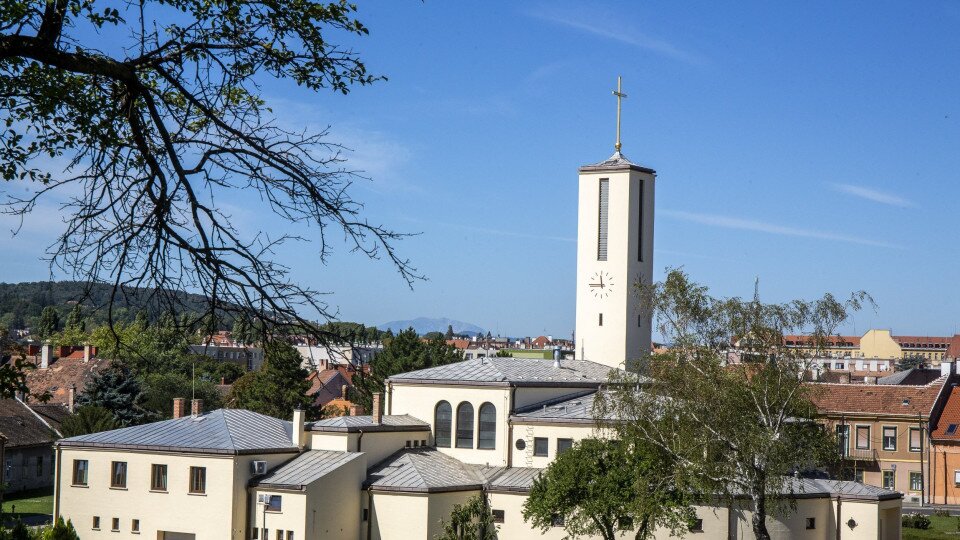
[[62, 373], [837, 399], [327, 386], [460, 343], [949, 415]]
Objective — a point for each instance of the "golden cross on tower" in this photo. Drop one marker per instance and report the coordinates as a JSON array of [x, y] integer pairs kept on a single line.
[[620, 95]]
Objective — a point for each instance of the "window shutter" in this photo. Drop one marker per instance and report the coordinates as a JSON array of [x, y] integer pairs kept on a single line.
[[604, 218]]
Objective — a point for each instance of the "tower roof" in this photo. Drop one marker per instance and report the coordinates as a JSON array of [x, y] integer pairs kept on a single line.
[[616, 162]]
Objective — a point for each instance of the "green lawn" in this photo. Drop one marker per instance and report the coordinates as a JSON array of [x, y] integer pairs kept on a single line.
[[28, 503], [941, 528]]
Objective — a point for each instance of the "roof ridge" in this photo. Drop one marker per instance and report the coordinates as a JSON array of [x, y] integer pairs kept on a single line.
[[40, 418], [226, 426]]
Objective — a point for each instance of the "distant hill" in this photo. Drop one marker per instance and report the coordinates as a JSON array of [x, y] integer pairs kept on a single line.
[[21, 303], [424, 324]]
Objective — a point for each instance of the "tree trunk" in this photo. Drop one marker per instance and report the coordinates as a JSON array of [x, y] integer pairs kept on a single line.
[[759, 519]]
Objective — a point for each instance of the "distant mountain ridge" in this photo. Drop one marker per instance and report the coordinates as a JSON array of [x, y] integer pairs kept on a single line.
[[422, 325]]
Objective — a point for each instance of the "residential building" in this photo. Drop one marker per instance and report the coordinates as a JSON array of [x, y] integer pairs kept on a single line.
[[250, 358], [331, 356], [28, 433], [882, 428], [944, 454]]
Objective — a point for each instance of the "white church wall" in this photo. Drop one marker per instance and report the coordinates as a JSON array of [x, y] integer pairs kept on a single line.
[[528, 432], [420, 401]]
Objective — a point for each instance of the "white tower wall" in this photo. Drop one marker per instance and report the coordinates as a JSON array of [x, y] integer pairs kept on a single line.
[[609, 287]]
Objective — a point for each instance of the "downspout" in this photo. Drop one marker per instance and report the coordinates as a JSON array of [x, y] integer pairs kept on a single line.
[[389, 397], [838, 517], [369, 514], [360, 441], [509, 442], [922, 476], [945, 477], [56, 482]]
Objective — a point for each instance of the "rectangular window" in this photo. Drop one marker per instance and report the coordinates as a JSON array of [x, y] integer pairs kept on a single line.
[[279, 534], [158, 477], [863, 437], [80, 472], [135, 526], [811, 523], [601, 319], [96, 523], [956, 478], [289, 535], [889, 438], [640, 224], [39, 466], [274, 504], [696, 525], [118, 474], [498, 516], [843, 439], [915, 441], [266, 533], [556, 520], [198, 480], [603, 217], [256, 533], [889, 480], [115, 524], [916, 481], [540, 446], [364, 515], [563, 445]]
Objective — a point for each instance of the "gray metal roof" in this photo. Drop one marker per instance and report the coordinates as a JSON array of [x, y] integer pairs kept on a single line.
[[614, 162], [518, 479], [349, 424], [305, 469], [511, 371], [577, 409], [224, 431], [424, 470], [818, 487]]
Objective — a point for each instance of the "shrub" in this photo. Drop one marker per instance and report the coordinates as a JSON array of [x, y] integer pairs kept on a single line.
[[941, 513], [915, 521]]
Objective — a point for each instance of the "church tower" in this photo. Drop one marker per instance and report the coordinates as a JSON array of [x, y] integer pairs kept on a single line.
[[614, 253]]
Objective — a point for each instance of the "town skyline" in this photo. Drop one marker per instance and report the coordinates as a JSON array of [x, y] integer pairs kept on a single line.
[[772, 164]]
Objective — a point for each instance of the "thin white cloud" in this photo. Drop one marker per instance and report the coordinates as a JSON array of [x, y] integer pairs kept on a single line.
[[874, 195], [615, 30], [729, 222], [497, 232]]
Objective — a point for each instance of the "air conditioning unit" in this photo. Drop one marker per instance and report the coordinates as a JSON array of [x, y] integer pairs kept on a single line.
[[258, 467], [263, 499]]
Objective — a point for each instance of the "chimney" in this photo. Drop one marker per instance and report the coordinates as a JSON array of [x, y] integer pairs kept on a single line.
[[343, 392], [946, 368], [845, 378], [71, 394], [298, 434], [870, 379], [86, 353], [556, 357], [196, 407], [377, 411], [355, 410], [179, 407], [46, 352]]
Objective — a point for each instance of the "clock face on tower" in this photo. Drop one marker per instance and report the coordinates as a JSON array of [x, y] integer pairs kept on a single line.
[[600, 284]]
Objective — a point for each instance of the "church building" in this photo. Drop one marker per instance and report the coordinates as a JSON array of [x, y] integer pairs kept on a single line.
[[436, 437]]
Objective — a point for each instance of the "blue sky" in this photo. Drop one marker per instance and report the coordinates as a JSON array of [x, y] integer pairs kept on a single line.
[[811, 146]]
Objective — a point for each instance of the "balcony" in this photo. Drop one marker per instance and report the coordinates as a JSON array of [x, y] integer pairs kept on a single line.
[[857, 454]]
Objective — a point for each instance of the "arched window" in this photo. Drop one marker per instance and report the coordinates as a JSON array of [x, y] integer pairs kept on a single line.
[[487, 438], [442, 424], [465, 425]]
